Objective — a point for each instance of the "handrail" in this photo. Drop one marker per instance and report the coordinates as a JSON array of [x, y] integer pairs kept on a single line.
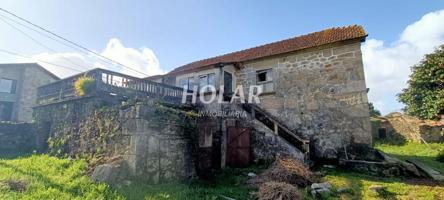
[[304, 146], [257, 109], [109, 82]]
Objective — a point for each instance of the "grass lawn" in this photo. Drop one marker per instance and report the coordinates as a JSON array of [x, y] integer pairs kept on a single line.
[[48, 177], [397, 188], [230, 183], [422, 152]]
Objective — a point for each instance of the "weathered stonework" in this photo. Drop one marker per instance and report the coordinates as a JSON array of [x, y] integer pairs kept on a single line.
[[161, 149], [319, 92], [16, 138], [407, 128], [153, 140]]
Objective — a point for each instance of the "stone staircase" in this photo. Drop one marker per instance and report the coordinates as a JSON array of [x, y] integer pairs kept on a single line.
[[278, 128]]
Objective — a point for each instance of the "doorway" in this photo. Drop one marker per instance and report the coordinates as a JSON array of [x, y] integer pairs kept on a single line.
[[238, 147]]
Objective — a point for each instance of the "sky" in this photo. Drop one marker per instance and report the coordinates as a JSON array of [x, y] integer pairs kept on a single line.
[[154, 37]]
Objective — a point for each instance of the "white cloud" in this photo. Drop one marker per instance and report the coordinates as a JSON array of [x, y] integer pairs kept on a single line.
[[139, 60], [67, 63], [142, 60], [387, 66]]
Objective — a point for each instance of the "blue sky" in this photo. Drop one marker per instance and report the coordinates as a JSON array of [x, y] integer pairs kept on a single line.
[[173, 33]]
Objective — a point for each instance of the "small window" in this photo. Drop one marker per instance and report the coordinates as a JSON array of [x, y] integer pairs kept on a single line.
[[206, 138], [6, 110], [186, 83], [8, 85], [265, 78], [208, 79]]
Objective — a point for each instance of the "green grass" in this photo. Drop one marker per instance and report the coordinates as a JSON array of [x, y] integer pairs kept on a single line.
[[50, 178], [229, 183], [54, 178], [397, 188], [427, 154]]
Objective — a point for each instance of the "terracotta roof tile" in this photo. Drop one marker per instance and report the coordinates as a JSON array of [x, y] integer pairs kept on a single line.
[[284, 46]]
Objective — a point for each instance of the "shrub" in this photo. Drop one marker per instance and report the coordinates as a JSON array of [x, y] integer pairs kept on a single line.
[[84, 85], [440, 156]]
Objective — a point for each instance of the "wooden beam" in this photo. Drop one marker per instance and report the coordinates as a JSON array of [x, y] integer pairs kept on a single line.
[[276, 128]]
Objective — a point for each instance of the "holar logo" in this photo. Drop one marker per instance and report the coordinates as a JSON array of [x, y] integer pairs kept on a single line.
[[208, 94]]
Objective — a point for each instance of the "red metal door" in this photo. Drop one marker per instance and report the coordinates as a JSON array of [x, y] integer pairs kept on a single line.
[[238, 147]]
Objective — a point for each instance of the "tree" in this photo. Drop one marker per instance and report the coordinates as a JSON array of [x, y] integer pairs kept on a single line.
[[424, 95], [373, 111]]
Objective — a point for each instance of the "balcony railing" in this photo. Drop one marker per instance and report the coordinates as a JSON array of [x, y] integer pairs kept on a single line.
[[108, 82]]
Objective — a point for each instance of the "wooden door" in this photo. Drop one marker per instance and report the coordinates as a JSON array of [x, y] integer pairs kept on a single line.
[[238, 147]]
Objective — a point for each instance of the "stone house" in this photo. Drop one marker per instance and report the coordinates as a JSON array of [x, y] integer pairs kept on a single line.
[[313, 85], [313, 106], [18, 89]]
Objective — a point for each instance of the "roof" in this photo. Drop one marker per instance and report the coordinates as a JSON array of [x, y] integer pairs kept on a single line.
[[310, 40], [31, 65]]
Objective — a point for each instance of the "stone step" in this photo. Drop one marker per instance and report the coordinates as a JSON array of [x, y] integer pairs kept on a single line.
[[429, 171]]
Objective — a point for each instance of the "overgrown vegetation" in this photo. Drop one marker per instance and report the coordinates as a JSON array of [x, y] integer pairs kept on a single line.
[[229, 183], [45, 177], [84, 85], [94, 138], [424, 96], [440, 157]]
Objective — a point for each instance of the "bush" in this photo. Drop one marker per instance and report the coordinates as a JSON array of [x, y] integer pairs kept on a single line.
[[440, 156], [84, 85]]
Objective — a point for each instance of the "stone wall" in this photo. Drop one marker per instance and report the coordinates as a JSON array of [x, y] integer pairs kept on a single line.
[[154, 140], [161, 147], [319, 92], [407, 128], [58, 119], [17, 138]]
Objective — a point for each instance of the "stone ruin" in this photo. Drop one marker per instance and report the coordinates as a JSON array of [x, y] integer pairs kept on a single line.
[[407, 128]]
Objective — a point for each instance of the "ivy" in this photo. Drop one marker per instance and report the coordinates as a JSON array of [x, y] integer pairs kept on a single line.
[[90, 139]]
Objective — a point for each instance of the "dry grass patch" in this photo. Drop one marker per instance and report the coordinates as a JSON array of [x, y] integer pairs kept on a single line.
[[14, 185], [278, 190], [286, 170]]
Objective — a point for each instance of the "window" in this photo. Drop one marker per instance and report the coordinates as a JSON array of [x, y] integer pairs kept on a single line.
[[6, 110], [265, 79], [8, 85], [208, 79], [186, 83]]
